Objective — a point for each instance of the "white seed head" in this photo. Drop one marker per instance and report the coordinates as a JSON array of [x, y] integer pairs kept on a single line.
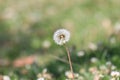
[[61, 36]]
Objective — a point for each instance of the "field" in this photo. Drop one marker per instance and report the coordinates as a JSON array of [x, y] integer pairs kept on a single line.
[[28, 51]]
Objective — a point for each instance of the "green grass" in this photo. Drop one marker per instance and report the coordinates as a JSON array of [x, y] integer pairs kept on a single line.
[[25, 25]]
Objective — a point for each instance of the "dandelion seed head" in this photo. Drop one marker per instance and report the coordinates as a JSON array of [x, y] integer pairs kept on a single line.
[[61, 36]]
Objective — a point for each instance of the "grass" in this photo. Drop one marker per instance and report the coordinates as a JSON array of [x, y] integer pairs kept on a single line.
[[25, 25]]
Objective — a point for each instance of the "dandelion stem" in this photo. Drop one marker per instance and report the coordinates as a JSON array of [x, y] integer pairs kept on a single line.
[[69, 58]]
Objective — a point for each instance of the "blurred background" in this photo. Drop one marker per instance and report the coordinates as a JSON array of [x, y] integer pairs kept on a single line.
[[27, 49]]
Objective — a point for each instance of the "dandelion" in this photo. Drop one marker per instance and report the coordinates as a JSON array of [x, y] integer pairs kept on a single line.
[[61, 36]]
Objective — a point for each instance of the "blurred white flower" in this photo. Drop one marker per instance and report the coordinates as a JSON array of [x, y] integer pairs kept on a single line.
[[113, 67], [44, 75], [101, 75], [117, 28], [5, 77], [112, 40], [40, 79], [80, 78], [61, 36], [108, 63], [69, 75], [115, 74], [93, 70], [103, 67], [98, 77], [94, 60], [46, 44], [44, 70], [92, 46], [81, 53]]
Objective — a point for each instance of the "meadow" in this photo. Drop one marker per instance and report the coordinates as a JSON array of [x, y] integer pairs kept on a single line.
[[28, 51]]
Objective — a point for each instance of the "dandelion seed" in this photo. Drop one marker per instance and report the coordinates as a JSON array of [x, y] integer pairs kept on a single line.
[[61, 36]]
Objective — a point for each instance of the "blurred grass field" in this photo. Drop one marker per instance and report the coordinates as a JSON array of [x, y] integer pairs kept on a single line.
[[27, 28]]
